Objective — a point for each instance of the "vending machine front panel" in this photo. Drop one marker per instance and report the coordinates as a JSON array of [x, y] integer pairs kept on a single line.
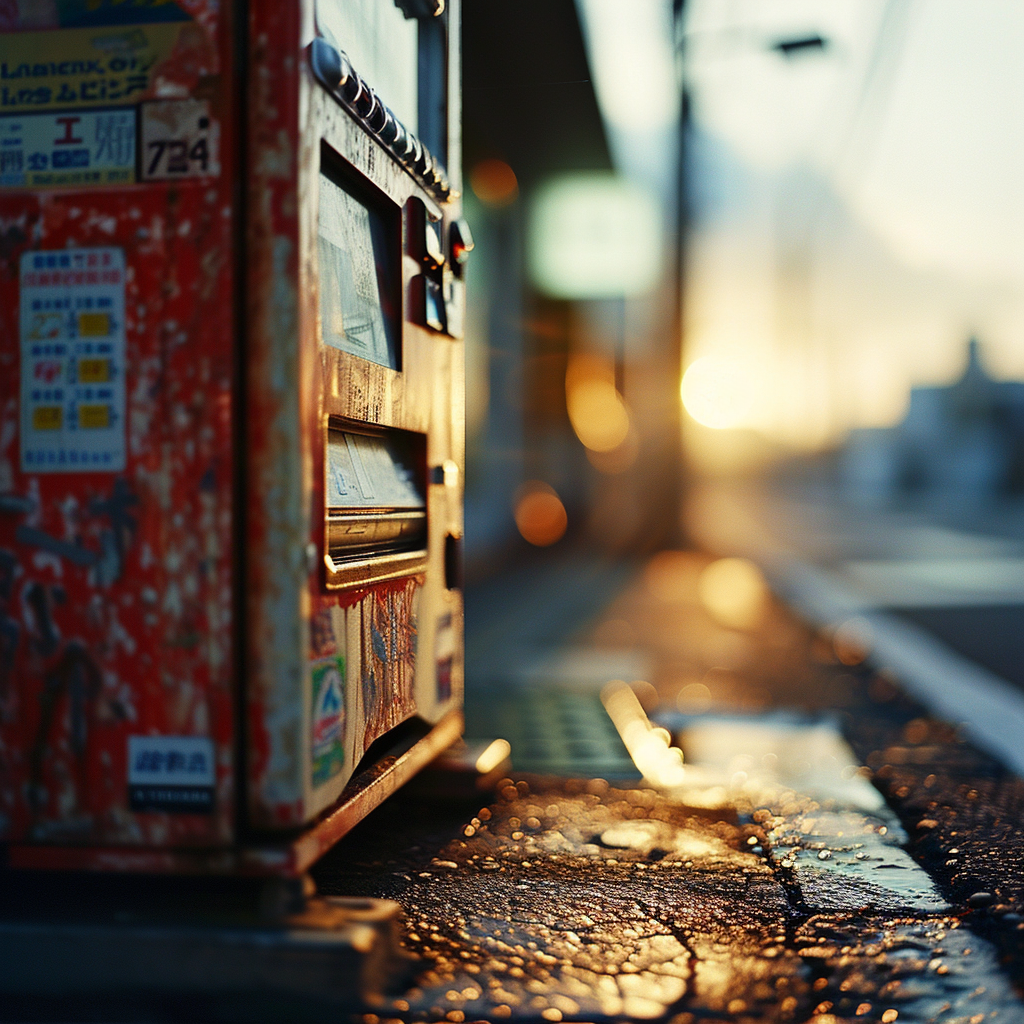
[[118, 225], [230, 425], [374, 490]]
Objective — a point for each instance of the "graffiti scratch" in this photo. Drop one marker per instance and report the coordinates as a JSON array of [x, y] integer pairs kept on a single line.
[[34, 538]]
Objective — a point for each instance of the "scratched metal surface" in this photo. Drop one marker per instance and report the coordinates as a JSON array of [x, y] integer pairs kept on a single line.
[[115, 589], [119, 591], [296, 386]]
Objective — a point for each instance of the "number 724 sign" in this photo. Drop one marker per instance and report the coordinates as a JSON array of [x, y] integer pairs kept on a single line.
[[179, 140]]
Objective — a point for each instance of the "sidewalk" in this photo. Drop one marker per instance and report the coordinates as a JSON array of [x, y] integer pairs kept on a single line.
[[773, 884]]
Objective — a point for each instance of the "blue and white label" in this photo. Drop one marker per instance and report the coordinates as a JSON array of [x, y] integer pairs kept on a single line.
[[73, 409], [68, 148], [171, 773]]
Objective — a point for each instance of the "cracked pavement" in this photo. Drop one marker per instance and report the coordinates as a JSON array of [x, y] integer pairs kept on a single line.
[[776, 885]]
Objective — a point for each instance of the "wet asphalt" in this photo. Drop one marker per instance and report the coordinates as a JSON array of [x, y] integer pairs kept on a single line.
[[559, 898]]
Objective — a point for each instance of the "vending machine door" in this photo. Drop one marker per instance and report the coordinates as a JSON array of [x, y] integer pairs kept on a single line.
[[356, 645]]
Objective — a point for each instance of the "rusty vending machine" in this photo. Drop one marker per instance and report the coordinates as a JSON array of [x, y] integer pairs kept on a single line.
[[231, 427]]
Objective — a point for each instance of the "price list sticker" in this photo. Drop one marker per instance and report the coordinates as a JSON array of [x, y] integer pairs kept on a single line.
[[73, 416]]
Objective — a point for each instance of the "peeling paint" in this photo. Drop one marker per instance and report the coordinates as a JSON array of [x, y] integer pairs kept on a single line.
[[82, 645], [121, 614]]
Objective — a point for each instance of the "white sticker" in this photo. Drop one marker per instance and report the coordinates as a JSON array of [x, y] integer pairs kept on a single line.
[[82, 147], [73, 415], [179, 140], [172, 760], [171, 773]]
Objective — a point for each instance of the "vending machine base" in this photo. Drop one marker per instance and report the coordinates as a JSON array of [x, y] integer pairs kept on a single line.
[[336, 955], [408, 751], [239, 935]]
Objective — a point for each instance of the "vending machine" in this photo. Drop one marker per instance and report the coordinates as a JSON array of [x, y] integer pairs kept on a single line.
[[231, 424]]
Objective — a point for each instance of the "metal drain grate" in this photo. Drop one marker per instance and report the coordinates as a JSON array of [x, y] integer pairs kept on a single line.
[[552, 732]]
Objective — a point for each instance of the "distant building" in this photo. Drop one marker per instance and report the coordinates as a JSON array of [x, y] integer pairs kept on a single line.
[[967, 437]]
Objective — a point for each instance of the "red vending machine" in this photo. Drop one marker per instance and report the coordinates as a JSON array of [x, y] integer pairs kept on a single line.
[[231, 428]]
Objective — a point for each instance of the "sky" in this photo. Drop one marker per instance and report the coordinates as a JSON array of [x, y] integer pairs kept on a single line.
[[857, 209]]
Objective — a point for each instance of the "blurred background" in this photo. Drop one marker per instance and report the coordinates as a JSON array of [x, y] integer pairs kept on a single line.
[[749, 278]]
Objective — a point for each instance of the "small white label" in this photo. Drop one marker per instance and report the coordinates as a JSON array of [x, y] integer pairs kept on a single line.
[[170, 760], [73, 416], [179, 140]]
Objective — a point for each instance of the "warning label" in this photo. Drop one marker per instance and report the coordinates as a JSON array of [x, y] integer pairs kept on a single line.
[[73, 361], [84, 147]]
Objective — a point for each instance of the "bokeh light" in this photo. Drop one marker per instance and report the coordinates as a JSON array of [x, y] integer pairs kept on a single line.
[[597, 411], [649, 746], [716, 392], [853, 640], [646, 693], [493, 755], [619, 459], [593, 235], [694, 698], [540, 515], [494, 183], [671, 576], [598, 415], [734, 592], [614, 633]]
